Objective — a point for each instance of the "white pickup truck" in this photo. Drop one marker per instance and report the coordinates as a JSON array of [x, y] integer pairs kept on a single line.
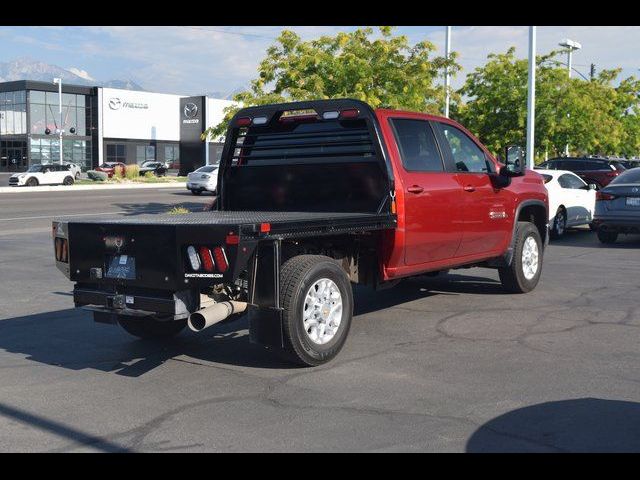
[[50, 174]]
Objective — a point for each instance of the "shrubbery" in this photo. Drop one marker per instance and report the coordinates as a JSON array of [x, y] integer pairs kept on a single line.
[[97, 176]]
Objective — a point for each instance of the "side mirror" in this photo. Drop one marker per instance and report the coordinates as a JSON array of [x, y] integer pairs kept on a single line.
[[514, 161], [592, 186]]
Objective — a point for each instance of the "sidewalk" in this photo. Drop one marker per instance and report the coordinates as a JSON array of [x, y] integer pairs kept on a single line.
[[98, 186]]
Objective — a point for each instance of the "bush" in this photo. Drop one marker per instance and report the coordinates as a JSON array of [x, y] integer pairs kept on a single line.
[[132, 172], [149, 175], [97, 176], [178, 211], [118, 172]]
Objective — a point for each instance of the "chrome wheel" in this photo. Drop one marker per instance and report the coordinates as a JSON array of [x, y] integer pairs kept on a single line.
[[530, 258], [560, 222], [322, 311]]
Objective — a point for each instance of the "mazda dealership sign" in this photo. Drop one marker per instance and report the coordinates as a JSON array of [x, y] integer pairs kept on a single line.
[[116, 103]]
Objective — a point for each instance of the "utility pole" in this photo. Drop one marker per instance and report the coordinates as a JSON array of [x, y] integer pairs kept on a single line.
[[60, 129], [570, 45], [531, 98], [447, 50]]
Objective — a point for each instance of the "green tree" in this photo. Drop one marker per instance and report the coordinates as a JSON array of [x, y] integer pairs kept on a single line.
[[590, 116], [385, 72]]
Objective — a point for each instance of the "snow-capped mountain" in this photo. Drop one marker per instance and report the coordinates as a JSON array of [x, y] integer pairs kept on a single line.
[[26, 68]]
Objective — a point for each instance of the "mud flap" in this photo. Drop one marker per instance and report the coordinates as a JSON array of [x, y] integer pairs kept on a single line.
[[265, 326]]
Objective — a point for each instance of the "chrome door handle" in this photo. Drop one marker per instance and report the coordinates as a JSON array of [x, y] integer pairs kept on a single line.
[[469, 188], [415, 189]]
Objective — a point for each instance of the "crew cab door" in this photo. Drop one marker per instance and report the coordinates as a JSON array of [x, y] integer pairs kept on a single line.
[[484, 208], [431, 194]]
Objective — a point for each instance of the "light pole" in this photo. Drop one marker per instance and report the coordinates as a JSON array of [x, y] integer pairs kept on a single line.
[[58, 81], [447, 50], [531, 98], [570, 45]]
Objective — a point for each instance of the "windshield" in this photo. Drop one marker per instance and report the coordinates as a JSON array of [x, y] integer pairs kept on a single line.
[[35, 168], [150, 164], [629, 176], [207, 169]]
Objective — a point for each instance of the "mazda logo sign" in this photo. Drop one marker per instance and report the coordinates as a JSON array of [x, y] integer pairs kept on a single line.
[[190, 110], [635, 190], [115, 103]]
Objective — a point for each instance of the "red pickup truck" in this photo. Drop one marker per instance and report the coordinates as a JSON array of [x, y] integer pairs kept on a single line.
[[312, 197]]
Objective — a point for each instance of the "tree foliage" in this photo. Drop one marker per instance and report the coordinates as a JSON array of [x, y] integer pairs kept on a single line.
[[385, 71], [593, 117]]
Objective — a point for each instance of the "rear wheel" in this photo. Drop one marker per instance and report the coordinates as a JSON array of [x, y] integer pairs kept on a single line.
[[607, 237], [67, 181], [32, 182], [317, 300], [151, 327], [523, 273], [559, 224]]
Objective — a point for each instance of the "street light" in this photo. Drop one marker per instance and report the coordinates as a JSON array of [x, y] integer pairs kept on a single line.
[[60, 130], [570, 45]]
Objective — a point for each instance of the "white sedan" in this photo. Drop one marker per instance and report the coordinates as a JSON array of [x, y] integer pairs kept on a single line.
[[204, 179], [571, 201], [48, 174]]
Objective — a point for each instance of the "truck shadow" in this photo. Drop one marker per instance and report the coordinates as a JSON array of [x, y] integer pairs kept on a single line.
[[576, 425], [582, 237], [71, 339]]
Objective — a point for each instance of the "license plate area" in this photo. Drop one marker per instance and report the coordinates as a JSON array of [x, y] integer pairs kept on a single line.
[[633, 201], [121, 267]]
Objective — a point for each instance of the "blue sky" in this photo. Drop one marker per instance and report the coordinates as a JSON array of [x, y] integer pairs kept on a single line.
[[194, 60]]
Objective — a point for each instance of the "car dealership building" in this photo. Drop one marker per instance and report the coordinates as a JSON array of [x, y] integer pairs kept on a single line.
[[105, 124]]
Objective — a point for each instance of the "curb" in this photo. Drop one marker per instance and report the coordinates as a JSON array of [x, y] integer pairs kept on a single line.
[[75, 188]]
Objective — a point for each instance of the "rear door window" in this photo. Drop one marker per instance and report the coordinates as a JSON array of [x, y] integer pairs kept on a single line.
[[570, 181], [417, 145]]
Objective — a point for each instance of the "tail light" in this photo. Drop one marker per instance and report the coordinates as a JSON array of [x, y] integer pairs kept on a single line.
[[221, 259], [604, 196], [612, 174], [207, 259], [194, 259], [61, 250]]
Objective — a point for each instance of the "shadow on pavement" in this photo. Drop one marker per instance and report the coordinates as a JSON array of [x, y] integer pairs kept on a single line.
[[577, 425], [59, 429], [586, 238]]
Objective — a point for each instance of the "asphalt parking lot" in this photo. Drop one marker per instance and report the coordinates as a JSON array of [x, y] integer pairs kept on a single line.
[[435, 364]]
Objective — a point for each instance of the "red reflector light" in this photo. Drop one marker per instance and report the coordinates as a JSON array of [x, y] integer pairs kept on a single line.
[[350, 113], [221, 259], [265, 227], [207, 259], [233, 239], [604, 196], [243, 121], [611, 174], [61, 250]]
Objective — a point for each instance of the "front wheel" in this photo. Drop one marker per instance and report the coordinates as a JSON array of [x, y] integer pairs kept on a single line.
[[523, 273], [32, 182], [317, 299], [196, 192], [150, 327], [68, 181]]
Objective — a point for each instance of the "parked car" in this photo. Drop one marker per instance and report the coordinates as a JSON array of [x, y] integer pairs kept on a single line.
[[599, 171], [314, 197], [618, 207], [75, 169], [204, 179], [630, 163], [110, 167], [157, 168], [48, 174], [571, 201]]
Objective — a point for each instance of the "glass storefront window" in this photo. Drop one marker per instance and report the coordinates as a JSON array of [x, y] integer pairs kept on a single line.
[[145, 153], [13, 113], [52, 99], [36, 96]]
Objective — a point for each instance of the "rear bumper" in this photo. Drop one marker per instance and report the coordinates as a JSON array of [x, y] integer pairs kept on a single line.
[[167, 304], [617, 224], [200, 186]]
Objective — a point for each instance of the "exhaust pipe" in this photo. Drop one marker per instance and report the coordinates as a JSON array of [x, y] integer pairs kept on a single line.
[[207, 316]]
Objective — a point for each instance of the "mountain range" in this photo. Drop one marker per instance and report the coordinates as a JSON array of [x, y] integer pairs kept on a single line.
[[25, 68]]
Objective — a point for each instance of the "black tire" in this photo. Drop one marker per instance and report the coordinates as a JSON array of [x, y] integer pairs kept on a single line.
[[593, 227], [512, 277], [297, 277], [196, 192], [151, 328], [559, 224], [32, 182], [607, 237], [77, 176], [67, 181]]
